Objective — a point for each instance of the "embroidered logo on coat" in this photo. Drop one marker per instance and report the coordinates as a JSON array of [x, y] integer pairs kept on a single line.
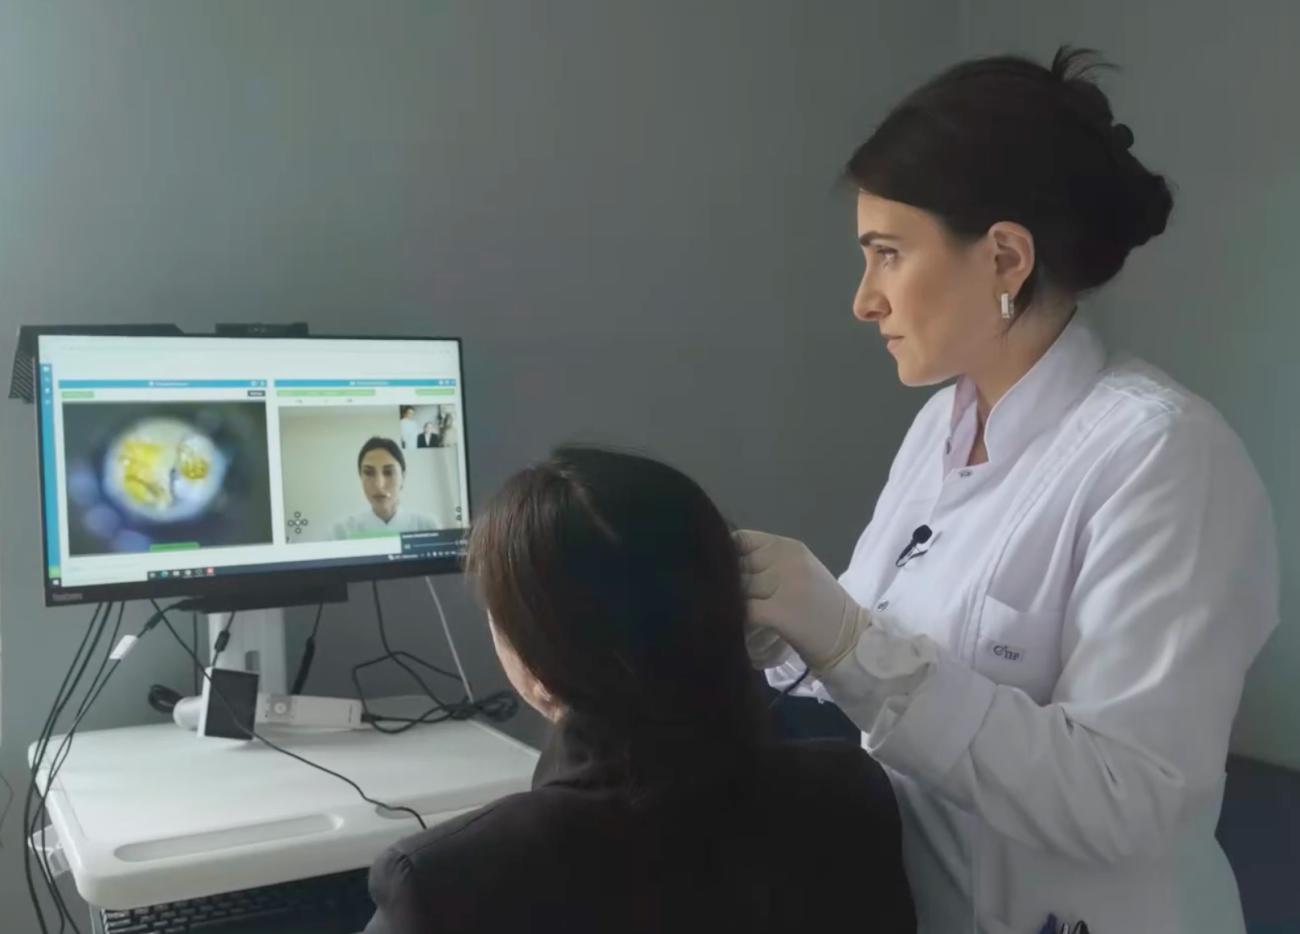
[[1009, 652]]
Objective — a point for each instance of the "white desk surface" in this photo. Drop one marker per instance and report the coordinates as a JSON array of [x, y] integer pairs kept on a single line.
[[152, 814]]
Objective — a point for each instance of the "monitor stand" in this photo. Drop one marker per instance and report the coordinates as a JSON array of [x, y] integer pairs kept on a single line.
[[256, 643], [256, 640]]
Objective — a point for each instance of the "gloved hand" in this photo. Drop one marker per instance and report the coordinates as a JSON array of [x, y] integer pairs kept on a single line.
[[766, 647], [793, 595]]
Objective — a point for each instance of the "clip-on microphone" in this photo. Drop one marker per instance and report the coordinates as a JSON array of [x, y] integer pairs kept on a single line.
[[920, 536]]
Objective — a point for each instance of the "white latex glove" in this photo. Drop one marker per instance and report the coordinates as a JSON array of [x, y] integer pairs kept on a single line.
[[792, 594], [766, 647]]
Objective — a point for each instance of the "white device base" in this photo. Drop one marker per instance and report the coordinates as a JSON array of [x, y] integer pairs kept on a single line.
[[335, 713], [290, 710]]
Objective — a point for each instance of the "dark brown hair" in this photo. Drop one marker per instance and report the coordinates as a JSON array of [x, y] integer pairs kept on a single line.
[[616, 581], [382, 444], [1007, 139]]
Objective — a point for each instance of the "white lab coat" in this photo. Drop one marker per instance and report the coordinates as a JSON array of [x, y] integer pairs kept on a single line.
[[411, 430], [1097, 591], [368, 525]]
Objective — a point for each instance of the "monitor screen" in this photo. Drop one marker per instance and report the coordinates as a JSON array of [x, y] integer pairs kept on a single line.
[[202, 465]]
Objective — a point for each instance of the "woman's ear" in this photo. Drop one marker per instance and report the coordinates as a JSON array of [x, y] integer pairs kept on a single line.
[[526, 684], [545, 703], [1013, 255]]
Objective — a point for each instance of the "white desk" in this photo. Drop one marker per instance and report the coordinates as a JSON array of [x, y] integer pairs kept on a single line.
[[154, 814]]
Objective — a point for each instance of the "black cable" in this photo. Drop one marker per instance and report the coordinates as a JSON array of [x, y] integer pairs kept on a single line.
[[194, 641], [9, 800], [90, 697], [66, 687], [219, 646], [498, 707], [262, 739], [383, 640], [315, 627], [97, 684], [789, 689], [108, 665], [163, 698], [70, 681], [308, 654]]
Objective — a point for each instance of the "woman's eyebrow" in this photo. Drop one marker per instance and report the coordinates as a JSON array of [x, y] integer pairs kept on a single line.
[[871, 236]]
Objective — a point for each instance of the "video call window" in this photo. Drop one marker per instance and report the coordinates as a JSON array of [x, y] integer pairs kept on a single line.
[[352, 472]]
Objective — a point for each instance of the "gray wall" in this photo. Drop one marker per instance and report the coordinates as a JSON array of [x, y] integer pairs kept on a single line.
[[627, 211], [1211, 97]]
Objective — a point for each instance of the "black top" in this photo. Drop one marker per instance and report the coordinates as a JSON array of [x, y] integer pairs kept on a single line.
[[807, 838]]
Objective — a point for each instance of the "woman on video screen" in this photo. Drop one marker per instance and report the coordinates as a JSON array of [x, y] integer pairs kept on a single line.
[[382, 469]]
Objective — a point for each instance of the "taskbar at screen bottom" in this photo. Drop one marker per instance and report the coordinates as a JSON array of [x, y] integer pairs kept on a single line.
[[447, 544]]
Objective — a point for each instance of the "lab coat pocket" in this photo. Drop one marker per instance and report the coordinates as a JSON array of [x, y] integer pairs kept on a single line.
[[1019, 648]]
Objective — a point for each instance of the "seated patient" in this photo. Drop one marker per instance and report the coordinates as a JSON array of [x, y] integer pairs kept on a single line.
[[661, 802]]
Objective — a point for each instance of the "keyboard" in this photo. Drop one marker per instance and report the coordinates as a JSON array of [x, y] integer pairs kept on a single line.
[[334, 904]]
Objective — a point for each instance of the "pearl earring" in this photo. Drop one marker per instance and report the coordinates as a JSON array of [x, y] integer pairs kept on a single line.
[[1007, 312]]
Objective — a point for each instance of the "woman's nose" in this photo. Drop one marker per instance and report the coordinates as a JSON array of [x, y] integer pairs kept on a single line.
[[869, 304]]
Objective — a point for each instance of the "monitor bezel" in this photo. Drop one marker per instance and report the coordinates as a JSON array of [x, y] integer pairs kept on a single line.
[[238, 588]]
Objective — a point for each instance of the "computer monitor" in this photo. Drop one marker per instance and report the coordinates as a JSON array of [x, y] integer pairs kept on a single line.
[[242, 471]]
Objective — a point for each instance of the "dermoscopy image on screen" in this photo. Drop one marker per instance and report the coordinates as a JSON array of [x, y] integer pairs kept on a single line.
[[145, 476]]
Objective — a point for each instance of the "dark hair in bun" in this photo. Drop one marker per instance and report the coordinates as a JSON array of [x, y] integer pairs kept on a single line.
[[1005, 139]]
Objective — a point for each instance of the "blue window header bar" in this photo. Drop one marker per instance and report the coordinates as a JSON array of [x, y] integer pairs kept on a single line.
[[160, 383], [304, 383]]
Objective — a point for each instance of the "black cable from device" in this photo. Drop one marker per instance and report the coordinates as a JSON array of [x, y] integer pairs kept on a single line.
[[262, 739], [194, 641], [388, 649], [498, 707], [89, 699], [94, 631], [163, 698], [103, 674], [69, 683], [222, 640], [308, 654], [10, 794], [97, 683], [789, 689]]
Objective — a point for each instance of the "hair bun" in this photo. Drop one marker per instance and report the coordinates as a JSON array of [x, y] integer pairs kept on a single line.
[[1154, 204]]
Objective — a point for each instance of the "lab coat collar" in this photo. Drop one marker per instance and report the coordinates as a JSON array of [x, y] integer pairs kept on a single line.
[[1042, 396]]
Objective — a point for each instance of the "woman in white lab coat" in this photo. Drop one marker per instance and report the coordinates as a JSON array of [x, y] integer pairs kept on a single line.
[[1044, 630]]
